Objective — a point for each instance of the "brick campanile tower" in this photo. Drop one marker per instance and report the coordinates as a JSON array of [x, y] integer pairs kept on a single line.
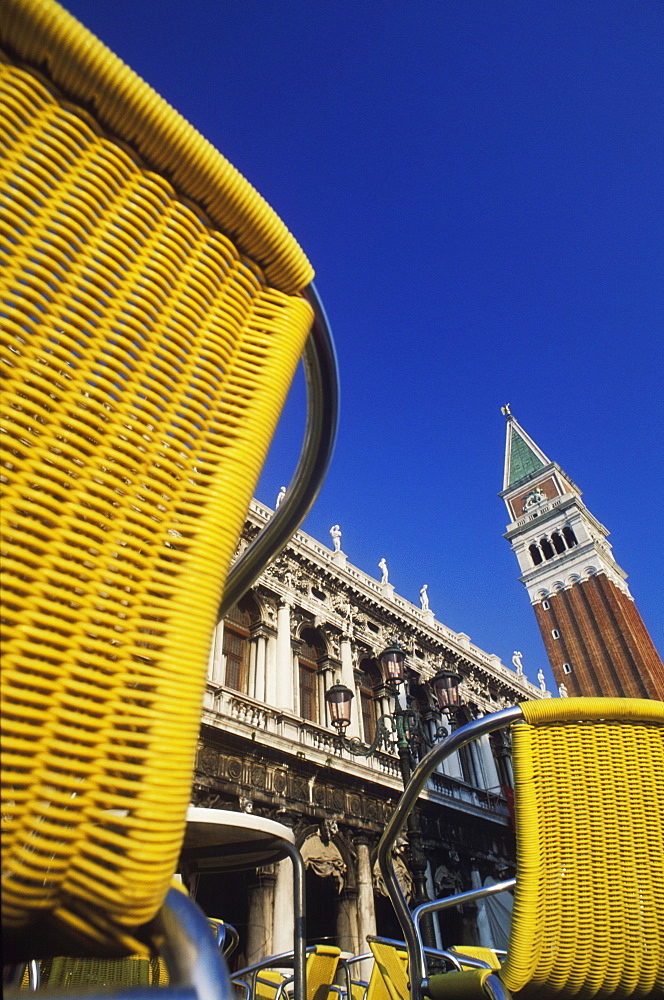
[[594, 636]]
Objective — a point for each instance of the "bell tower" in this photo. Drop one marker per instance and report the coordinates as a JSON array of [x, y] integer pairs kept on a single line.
[[594, 636]]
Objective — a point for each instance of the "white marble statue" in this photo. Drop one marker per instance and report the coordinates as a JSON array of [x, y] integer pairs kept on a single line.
[[280, 497], [335, 531], [424, 598], [541, 679], [562, 691], [516, 662], [382, 566]]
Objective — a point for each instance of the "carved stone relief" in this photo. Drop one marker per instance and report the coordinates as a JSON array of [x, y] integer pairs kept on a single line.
[[208, 761]]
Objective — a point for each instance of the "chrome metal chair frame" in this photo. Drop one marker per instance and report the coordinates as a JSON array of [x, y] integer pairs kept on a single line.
[[322, 379], [196, 967], [471, 731]]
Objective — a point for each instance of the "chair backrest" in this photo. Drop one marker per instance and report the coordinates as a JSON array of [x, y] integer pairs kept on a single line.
[[487, 955], [322, 965], [152, 323], [589, 798], [322, 962], [392, 963], [588, 915]]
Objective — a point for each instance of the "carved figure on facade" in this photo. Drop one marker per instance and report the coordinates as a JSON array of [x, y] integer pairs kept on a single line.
[[472, 685], [329, 828], [335, 532], [562, 690], [205, 800], [382, 566], [541, 679], [242, 544], [447, 882], [278, 569], [270, 608], [404, 878], [517, 664], [343, 607], [424, 598], [332, 640], [324, 858], [281, 495]]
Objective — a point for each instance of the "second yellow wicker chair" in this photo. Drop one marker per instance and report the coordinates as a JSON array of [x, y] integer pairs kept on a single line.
[[153, 311], [588, 917]]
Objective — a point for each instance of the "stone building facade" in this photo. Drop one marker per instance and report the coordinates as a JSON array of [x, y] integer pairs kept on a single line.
[[266, 746]]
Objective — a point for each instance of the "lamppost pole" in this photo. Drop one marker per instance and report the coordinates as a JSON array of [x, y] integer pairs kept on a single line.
[[404, 727], [418, 861]]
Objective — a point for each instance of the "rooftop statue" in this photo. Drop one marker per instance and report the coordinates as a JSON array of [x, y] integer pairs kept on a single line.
[[382, 566], [335, 531]]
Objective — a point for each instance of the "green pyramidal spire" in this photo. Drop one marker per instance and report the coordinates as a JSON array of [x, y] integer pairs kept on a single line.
[[522, 456]]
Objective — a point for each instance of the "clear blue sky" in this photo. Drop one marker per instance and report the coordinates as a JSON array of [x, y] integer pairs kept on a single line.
[[478, 185]]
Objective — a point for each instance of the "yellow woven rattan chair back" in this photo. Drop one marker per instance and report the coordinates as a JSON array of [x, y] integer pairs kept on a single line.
[[487, 955], [321, 971], [322, 962], [588, 915], [377, 987], [152, 318], [392, 963]]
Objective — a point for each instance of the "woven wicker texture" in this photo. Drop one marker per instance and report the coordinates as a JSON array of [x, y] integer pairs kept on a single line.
[[93, 973], [145, 364], [43, 34], [393, 965], [588, 915], [322, 964]]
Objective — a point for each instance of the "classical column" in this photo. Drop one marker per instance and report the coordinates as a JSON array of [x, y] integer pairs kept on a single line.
[[366, 913], [484, 935], [271, 670], [285, 694], [431, 889], [258, 689], [347, 921], [284, 911], [216, 666], [452, 766], [490, 769], [348, 678], [259, 928]]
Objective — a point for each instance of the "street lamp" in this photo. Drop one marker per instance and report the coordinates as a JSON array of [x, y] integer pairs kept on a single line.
[[403, 727]]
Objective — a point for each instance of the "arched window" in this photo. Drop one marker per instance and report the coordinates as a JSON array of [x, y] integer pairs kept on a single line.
[[311, 651], [558, 543], [567, 668], [236, 646], [569, 536], [535, 554], [547, 548], [555, 633]]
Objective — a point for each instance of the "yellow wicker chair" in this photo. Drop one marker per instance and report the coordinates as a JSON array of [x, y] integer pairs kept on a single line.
[[153, 311], [392, 963], [588, 917], [268, 980]]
